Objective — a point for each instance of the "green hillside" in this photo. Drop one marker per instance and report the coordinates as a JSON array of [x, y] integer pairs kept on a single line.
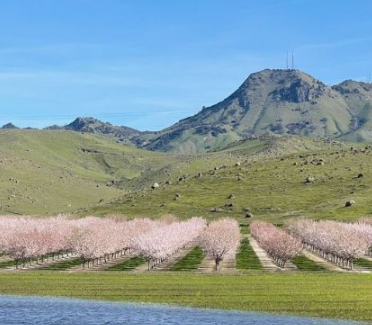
[[49, 172], [269, 184], [45, 172]]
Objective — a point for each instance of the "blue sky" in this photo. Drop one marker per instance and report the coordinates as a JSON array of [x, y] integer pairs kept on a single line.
[[147, 64]]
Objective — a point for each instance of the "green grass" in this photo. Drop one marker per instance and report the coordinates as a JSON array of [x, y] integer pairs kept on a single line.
[[128, 265], [273, 188], [46, 172], [313, 294], [362, 262], [65, 265], [246, 258], [190, 262], [7, 264], [244, 229], [305, 264], [50, 172]]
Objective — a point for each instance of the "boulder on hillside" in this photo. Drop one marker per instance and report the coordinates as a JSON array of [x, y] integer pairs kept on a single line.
[[349, 203], [155, 186], [309, 179], [216, 210]]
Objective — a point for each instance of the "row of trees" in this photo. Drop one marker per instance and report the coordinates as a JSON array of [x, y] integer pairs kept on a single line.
[[279, 245], [338, 242], [160, 243], [91, 238], [96, 240]]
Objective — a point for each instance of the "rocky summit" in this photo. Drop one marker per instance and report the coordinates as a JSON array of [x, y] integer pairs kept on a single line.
[[279, 102]]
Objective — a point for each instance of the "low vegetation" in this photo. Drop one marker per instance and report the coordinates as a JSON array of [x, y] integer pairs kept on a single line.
[[50, 172], [345, 296], [190, 262], [364, 263], [281, 181], [305, 264], [64, 265], [128, 265], [246, 259]]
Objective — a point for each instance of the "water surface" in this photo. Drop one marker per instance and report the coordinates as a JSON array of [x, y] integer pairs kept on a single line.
[[55, 311]]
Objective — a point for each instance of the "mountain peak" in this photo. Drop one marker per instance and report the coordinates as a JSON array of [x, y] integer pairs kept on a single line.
[[274, 74], [353, 87], [82, 123], [121, 134], [278, 101], [9, 126]]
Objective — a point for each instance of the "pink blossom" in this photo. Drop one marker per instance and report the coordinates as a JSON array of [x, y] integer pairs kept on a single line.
[[338, 242], [161, 243], [276, 242], [221, 240]]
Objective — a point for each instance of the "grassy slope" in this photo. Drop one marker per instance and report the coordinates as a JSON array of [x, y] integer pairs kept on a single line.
[[47, 172], [322, 295], [273, 188], [44, 172]]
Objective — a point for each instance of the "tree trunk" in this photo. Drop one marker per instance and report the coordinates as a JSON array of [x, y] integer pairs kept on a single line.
[[217, 260]]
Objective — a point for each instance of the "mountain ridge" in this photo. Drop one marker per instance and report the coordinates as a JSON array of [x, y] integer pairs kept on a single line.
[[279, 102], [274, 101], [121, 134]]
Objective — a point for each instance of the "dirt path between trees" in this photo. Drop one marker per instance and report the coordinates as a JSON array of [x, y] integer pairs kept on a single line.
[[322, 262], [266, 262]]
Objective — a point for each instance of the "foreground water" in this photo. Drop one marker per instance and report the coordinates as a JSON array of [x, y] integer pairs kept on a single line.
[[48, 311]]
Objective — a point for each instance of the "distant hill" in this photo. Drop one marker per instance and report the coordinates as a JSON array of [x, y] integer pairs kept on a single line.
[[121, 134], [279, 102], [9, 126]]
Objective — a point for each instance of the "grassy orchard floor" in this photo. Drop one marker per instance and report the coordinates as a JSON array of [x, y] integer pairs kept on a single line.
[[246, 258], [190, 262], [304, 264], [345, 296], [64, 265], [128, 265]]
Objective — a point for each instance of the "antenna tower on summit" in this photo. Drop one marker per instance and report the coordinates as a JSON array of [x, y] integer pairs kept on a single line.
[[292, 60], [287, 63]]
